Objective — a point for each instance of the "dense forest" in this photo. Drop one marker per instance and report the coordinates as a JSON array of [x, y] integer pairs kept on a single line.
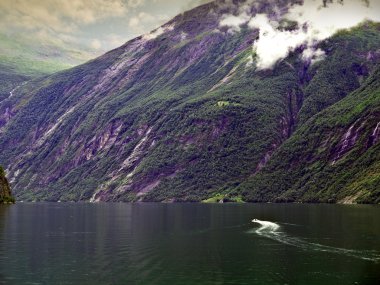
[[187, 116]]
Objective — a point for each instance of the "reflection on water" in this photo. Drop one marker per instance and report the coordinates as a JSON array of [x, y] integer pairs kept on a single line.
[[188, 244]]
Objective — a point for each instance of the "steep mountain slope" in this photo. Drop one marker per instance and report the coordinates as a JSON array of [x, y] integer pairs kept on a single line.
[[10, 80], [182, 114], [28, 55], [334, 157], [22, 59]]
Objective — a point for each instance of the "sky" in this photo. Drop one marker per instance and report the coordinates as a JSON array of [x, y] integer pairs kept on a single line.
[[96, 25]]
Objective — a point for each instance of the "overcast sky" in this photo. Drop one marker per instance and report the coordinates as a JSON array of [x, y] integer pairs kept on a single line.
[[97, 24]]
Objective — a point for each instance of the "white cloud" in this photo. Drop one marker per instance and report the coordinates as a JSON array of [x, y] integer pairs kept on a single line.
[[234, 22], [136, 3], [143, 21], [96, 44], [57, 15], [115, 40], [273, 44], [72, 25], [315, 22], [313, 55], [140, 19], [158, 32], [324, 22], [76, 23]]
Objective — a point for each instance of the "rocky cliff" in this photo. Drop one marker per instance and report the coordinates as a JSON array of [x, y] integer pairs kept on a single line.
[[5, 190]]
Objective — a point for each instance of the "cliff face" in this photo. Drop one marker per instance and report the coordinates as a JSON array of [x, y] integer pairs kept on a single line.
[[334, 157], [5, 190], [182, 114]]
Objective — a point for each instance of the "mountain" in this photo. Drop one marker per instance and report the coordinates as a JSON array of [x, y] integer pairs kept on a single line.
[[25, 58], [5, 190], [333, 157], [184, 114]]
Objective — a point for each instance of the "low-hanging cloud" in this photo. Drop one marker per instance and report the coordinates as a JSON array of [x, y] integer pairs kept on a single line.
[[316, 21]]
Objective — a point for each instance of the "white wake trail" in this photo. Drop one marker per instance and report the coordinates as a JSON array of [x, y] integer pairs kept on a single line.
[[272, 231], [266, 227]]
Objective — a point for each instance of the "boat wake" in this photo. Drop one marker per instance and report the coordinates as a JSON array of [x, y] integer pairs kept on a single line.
[[273, 231]]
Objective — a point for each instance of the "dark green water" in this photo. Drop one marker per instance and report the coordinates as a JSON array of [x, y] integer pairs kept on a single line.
[[189, 244]]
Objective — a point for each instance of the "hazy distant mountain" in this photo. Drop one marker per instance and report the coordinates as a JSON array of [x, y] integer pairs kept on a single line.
[[24, 58], [192, 111]]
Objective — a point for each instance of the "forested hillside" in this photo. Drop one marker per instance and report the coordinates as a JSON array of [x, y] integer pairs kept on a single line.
[[185, 114]]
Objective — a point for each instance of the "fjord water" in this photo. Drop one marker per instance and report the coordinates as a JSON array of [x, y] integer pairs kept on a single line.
[[42, 243]]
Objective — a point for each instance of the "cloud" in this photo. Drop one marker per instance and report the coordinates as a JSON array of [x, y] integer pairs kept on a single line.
[[136, 22], [57, 15], [93, 26], [99, 25], [273, 44], [96, 44], [187, 5], [313, 54], [234, 22], [158, 32], [136, 3], [143, 21], [315, 22], [115, 40], [111, 40]]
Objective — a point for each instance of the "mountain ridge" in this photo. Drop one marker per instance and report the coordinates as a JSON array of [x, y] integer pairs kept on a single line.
[[181, 114]]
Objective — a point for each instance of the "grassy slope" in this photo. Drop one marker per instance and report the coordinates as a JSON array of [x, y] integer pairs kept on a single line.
[[22, 59], [29, 56]]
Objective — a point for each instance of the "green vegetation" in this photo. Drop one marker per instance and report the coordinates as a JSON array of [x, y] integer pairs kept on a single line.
[[224, 198], [5, 191], [227, 103], [23, 59], [308, 166], [191, 121], [27, 56]]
